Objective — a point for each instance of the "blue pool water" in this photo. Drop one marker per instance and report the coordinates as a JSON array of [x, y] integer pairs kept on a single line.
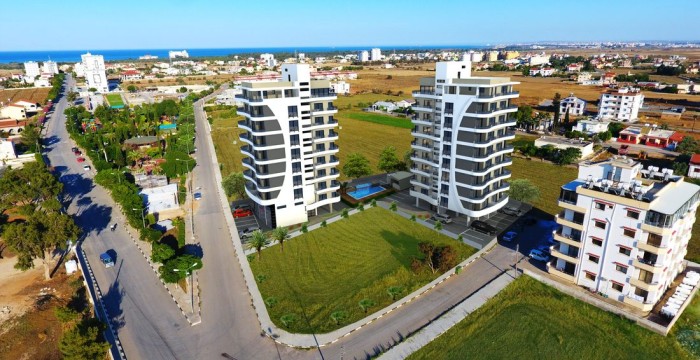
[[365, 190]]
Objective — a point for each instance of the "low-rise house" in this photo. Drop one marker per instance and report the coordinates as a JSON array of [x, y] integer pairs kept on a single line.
[[160, 199], [591, 126], [142, 142], [647, 135], [694, 166], [127, 75], [572, 105], [586, 147], [340, 87], [384, 106], [608, 78], [574, 68]]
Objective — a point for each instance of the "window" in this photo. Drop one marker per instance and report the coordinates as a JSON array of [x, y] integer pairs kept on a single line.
[[599, 206], [296, 167], [281, 207], [296, 154], [593, 258], [298, 193], [297, 180], [294, 139], [617, 286], [621, 268], [449, 107], [322, 197], [590, 276], [632, 214], [292, 111], [597, 242], [629, 232], [294, 125], [600, 224], [625, 251]]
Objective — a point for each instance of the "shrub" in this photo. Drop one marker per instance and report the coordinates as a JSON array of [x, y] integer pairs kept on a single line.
[[304, 228], [344, 214], [323, 223], [361, 207], [65, 314], [160, 253]]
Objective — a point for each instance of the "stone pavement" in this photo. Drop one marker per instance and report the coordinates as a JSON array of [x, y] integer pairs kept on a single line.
[[450, 319]]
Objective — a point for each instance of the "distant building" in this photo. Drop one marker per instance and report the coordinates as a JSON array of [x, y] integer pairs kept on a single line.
[[539, 59], [340, 87], [586, 147], [624, 230], [620, 105], [544, 72], [647, 135], [574, 68], [591, 126], [31, 69], [19, 110], [178, 54], [49, 67], [363, 56], [94, 72], [268, 60], [572, 105], [492, 56], [694, 166], [131, 74], [375, 54]]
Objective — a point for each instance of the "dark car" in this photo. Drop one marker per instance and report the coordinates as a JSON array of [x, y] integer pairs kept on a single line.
[[483, 227], [624, 150]]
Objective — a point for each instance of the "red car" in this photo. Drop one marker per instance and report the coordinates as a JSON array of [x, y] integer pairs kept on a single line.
[[624, 150], [81, 159], [239, 213]]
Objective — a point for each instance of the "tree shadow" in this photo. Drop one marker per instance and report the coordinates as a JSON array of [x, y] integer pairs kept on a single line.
[[193, 249], [112, 300], [93, 217], [404, 247]]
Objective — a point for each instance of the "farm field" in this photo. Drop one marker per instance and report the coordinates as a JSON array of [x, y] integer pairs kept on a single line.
[[536, 321], [33, 95], [332, 269]]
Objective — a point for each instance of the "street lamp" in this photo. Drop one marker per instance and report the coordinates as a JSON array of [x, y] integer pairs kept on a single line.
[[143, 218], [189, 273], [119, 179], [187, 163]]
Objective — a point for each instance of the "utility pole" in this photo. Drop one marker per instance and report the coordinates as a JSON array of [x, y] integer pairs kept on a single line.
[[515, 265]]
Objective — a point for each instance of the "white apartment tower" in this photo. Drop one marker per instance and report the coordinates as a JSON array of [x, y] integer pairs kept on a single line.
[[49, 67], [375, 54], [620, 105], [624, 230], [363, 56], [460, 153], [31, 69], [94, 72], [291, 146]]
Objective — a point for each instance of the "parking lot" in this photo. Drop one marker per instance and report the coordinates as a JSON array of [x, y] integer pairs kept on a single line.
[[243, 223]]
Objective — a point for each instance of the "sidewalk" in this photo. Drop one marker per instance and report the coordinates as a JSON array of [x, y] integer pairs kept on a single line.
[[447, 321]]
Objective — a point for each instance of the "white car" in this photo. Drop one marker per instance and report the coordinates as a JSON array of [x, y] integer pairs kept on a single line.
[[509, 236], [86, 167], [538, 255], [445, 219]]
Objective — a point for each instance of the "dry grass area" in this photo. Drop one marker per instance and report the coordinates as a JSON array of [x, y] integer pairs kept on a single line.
[[188, 80], [35, 95], [224, 134]]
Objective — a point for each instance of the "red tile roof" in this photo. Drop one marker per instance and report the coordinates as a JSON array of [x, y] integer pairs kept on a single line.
[[695, 159]]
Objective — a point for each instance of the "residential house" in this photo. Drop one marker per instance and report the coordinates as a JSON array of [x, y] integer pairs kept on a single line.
[[572, 105], [694, 166], [647, 135], [591, 126], [160, 199], [574, 68], [620, 105], [130, 74], [586, 147]]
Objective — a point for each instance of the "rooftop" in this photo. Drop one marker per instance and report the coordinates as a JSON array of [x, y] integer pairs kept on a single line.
[[564, 141], [649, 131]]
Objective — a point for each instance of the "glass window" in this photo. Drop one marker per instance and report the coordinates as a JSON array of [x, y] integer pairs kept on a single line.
[[625, 251], [629, 232], [620, 268], [597, 242], [593, 258], [617, 287], [590, 276], [632, 214], [599, 206], [298, 193]]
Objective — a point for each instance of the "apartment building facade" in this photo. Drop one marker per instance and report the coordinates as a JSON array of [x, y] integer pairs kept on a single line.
[[624, 230], [573, 106], [31, 69], [94, 71], [620, 105], [291, 152], [459, 152]]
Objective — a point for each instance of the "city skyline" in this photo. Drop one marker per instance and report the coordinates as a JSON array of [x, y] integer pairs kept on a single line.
[[217, 24]]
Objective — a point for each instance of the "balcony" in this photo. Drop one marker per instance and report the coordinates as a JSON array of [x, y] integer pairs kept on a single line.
[[562, 221], [651, 286], [650, 266], [492, 111], [567, 239], [491, 96], [638, 303], [423, 92], [570, 206], [552, 269], [652, 247], [570, 256]]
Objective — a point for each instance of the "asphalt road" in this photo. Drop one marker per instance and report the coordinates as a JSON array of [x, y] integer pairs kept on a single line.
[[152, 327]]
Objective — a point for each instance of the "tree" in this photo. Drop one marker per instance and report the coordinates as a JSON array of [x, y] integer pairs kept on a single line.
[[339, 316], [389, 162], [393, 206], [437, 226], [160, 253], [523, 117], [555, 103], [258, 240], [615, 128], [179, 267], [687, 146], [30, 137], [365, 304], [280, 234], [71, 96], [131, 88], [407, 159], [234, 185], [428, 250], [92, 89], [523, 190], [356, 166], [84, 341], [568, 156], [394, 291]]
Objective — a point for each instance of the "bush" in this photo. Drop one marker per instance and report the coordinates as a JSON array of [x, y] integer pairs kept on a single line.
[[176, 268], [323, 223], [65, 314], [150, 235], [344, 214], [84, 341], [160, 253], [304, 228]]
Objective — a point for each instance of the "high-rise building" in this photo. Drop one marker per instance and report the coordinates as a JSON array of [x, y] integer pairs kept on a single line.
[[375, 54], [49, 67], [621, 104], [31, 69], [94, 72], [460, 153], [363, 56], [291, 146], [624, 230], [268, 60]]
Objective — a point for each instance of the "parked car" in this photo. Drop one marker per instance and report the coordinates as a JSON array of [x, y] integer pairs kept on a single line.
[[86, 167], [544, 248], [445, 219], [624, 150], [239, 213], [241, 206], [510, 210], [538, 255], [77, 152], [74, 149], [198, 196], [81, 159], [247, 232], [484, 227], [509, 236], [107, 260]]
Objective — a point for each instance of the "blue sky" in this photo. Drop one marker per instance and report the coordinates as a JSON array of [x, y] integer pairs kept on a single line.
[[144, 24]]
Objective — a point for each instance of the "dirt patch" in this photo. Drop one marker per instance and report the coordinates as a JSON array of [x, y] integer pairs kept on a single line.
[[15, 285]]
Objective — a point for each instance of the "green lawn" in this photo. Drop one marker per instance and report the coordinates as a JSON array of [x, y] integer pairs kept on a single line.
[[529, 320], [115, 99], [381, 119], [547, 177], [355, 100], [331, 269], [224, 132]]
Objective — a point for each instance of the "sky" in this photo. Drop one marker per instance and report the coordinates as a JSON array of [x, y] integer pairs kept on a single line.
[[162, 24]]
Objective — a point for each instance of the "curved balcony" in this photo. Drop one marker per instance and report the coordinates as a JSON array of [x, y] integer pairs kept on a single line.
[[505, 150], [491, 127], [494, 112], [482, 185], [505, 162], [489, 141], [504, 187], [497, 97], [430, 199]]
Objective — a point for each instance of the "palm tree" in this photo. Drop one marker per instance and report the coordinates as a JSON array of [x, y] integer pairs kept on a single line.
[[258, 240], [280, 234], [133, 156]]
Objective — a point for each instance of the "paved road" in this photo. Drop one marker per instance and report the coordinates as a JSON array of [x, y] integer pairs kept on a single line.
[[152, 327]]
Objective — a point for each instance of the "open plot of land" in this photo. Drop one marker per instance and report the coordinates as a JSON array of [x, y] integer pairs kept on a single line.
[[359, 101], [331, 269], [529, 320], [547, 177], [115, 99], [34, 95], [224, 133], [378, 118]]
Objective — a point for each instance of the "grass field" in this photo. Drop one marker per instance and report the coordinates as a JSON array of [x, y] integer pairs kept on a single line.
[[353, 101], [115, 99], [547, 177], [224, 132], [331, 269], [404, 123], [529, 320], [34, 95]]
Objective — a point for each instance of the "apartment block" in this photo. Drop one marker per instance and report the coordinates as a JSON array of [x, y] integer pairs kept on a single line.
[[49, 67], [460, 153], [31, 69], [290, 146], [620, 105], [572, 105], [94, 71], [624, 230]]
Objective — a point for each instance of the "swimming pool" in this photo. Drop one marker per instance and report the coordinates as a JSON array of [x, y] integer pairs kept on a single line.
[[365, 190]]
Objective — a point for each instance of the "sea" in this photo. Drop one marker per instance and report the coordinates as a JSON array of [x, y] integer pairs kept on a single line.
[[72, 56]]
